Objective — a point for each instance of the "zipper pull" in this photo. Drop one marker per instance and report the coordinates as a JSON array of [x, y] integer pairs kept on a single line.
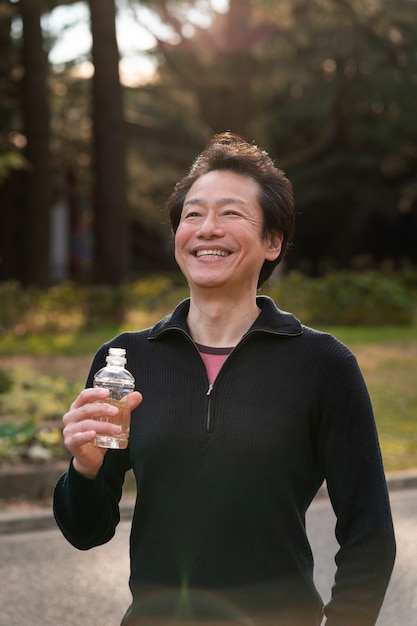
[[208, 418]]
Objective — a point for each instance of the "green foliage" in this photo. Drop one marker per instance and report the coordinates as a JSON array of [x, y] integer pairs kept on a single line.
[[408, 278], [356, 298], [327, 87], [25, 310], [291, 293], [15, 439], [35, 397], [14, 302], [68, 307], [157, 292], [5, 381], [31, 407], [11, 161], [348, 298]]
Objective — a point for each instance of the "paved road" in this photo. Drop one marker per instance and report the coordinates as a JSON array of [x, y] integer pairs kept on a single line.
[[400, 605], [46, 582]]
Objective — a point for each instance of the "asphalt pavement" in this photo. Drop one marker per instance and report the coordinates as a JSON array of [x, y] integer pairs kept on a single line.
[[42, 519], [46, 582]]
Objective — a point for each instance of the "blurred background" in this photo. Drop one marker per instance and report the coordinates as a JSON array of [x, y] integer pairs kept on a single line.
[[103, 107], [104, 104]]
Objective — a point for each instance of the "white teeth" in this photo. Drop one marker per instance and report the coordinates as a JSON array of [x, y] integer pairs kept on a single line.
[[201, 253]]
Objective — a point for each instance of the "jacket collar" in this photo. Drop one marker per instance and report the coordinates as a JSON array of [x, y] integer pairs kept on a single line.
[[270, 320]]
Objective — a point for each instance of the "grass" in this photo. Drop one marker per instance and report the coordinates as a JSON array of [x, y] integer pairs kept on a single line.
[[390, 371], [385, 335], [387, 356]]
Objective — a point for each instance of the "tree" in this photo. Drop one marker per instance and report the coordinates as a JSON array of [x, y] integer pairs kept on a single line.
[[28, 216], [110, 211], [11, 158], [345, 126], [328, 88], [36, 223], [218, 62]]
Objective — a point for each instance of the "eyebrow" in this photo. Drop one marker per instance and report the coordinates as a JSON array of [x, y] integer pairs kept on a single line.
[[220, 202]]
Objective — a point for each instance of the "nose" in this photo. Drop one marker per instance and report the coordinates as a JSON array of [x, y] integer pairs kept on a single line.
[[210, 227]]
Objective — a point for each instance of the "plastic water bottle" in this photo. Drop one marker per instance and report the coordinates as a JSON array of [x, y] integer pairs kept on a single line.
[[119, 381]]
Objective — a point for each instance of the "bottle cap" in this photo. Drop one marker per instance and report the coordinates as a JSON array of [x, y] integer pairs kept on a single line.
[[117, 355], [117, 352]]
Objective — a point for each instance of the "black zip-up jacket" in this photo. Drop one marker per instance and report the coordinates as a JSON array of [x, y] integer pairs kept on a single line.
[[226, 472]]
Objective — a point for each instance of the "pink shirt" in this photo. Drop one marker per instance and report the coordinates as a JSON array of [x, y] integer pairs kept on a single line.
[[213, 359]]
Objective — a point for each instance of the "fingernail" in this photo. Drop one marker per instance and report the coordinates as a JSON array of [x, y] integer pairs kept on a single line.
[[112, 410], [116, 429]]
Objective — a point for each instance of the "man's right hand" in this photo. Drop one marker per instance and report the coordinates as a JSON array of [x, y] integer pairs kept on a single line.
[[81, 425]]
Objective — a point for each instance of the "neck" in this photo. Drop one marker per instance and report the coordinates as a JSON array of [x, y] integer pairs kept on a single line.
[[221, 323]]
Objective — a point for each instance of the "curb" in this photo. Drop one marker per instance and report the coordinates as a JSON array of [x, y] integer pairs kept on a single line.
[[30, 521], [31, 481], [36, 482], [14, 523]]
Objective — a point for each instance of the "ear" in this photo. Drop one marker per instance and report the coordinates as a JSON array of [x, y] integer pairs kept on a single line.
[[274, 244]]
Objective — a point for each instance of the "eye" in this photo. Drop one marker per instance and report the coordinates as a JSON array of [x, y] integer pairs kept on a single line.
[[189, 214]]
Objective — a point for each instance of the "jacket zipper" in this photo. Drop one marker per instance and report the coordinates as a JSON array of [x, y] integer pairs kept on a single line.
[[208, 417], [210, 387]]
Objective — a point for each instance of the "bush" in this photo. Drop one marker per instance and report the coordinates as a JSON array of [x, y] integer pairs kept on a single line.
[[157, 292], [25, 310], [350, 297], [68, 307], [31, 408], [347, 298], [14, 304], [291, 293], [367, 299], [408, 278]]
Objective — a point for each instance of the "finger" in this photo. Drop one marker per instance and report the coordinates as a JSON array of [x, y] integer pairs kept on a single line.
[[76, 438], [91, 394], [93, 411], [98, 426], [134, 399], [80, 438]]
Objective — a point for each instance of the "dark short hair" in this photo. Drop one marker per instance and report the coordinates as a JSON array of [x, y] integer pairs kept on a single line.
[[228, 151]]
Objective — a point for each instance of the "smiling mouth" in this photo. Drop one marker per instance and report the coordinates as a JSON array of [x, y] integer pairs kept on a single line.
[[211, 253]]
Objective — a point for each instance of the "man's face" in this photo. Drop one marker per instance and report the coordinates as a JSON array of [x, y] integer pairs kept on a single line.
[[219, 243]]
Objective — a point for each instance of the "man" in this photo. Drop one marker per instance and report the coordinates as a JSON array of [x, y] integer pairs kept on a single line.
[[245, 413]]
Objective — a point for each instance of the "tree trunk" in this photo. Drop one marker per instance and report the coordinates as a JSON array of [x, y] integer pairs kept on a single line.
[[110, 210], [35, 227], [9, 230]]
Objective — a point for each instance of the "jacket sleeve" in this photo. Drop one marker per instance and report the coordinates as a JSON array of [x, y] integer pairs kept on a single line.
[[86, 510], [357, 488]]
